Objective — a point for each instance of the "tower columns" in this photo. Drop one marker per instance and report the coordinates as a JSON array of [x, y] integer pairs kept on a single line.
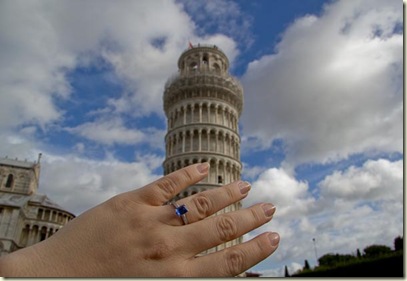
[[183, 141], [200, 139], [200, 112]]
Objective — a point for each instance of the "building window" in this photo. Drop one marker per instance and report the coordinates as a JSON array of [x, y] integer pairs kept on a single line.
[[220, 180], [193, 66], [43, 234], [10, 181], [39, 214], [205, 59]]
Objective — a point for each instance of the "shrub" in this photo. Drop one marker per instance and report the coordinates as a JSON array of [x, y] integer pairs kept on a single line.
[[376, 250]]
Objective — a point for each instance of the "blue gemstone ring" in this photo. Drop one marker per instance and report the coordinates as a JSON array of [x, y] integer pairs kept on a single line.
[[181, 211]]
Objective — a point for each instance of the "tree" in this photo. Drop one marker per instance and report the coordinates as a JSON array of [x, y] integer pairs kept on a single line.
[[306, 265], [376, 250], [334, 259], [328, 260], [358, 254], [286, 274], [398, 243]]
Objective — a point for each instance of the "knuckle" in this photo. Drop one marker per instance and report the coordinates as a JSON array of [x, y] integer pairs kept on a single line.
[[121, 207], [261, 249], [229, 193], [168, 186], [203, 206], [256, 216], [234, 262], [226, 227], [187, 175], [119, 204]]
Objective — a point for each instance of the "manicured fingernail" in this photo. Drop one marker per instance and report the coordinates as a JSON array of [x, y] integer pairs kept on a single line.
[[203, 168], [244, 187], [274, 239], [269, 209]]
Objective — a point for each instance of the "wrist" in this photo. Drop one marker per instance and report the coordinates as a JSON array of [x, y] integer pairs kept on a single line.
[[33, 261], [19, 263]]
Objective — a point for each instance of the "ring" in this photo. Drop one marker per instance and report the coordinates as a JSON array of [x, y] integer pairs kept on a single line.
[[181, 211]]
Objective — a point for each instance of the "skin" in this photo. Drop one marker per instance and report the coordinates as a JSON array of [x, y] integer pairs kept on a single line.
[[136, 234]]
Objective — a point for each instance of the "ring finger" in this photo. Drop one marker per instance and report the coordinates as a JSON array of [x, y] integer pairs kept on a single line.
[[225, 227], [234, 260], [204, 204]]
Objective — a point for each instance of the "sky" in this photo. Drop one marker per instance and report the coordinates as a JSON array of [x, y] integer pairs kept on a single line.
[[322, 125]]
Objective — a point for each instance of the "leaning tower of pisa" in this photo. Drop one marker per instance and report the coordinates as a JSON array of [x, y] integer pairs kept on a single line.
[[203, 103]]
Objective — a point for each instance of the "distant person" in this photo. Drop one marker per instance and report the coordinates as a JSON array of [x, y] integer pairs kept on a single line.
[[136, 234]]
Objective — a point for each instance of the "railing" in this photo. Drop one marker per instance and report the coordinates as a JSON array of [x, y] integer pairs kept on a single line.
[[203, 72], [204, 45]]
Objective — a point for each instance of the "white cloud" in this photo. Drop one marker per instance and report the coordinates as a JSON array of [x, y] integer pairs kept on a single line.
[[19, 145], [366, 201], [358, 207], [281, 189], [221, 16], [78, 184], [376, 180], [251, 172], [113, 131], [43, 41], [50, 39], [334, 86]]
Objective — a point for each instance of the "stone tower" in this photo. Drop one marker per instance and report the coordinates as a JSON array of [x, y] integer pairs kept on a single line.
[[203, 103]]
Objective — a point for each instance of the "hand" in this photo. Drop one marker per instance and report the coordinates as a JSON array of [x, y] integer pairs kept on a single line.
[[135, 234]]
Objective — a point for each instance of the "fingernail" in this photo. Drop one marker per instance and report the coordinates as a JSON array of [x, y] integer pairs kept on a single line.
[[244, 187], [274, 239], [203, 168], [269, 209]]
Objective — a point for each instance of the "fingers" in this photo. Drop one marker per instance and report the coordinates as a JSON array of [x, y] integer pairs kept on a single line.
[[206, 203], [237, 259], [223, 228], [165, 188]]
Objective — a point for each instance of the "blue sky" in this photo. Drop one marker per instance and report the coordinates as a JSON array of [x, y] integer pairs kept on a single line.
[[82, 83]]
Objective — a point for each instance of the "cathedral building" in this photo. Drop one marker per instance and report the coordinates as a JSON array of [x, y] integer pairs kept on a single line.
[[203, 103], [26, 217]]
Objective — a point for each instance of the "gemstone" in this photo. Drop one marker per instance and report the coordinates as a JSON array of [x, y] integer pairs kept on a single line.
[[181, 210]]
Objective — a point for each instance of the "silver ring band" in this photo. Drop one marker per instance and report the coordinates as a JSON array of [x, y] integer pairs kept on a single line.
[[180, 211]]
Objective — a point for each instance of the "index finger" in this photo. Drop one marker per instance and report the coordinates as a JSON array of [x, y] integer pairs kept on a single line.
[[164, 189]]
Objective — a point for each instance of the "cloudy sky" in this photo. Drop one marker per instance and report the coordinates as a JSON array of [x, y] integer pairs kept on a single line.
[[82, 83]]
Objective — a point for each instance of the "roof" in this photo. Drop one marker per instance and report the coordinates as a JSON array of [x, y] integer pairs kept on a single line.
[[21, 200], [13, 199], [17, 163], [43, 200]]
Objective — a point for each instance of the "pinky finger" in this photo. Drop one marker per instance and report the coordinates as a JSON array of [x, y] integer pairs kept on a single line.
[[235, 260]]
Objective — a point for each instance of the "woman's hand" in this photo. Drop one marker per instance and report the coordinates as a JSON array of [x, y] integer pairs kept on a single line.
[[135, 235]]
